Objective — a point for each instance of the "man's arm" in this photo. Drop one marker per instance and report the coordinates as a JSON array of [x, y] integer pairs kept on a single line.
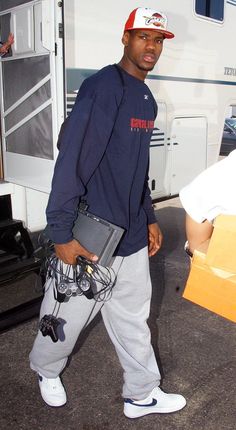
[[147, 201], [155, 237], [82, 142], [68, 252]]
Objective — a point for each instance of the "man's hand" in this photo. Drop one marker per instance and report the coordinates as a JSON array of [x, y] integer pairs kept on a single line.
[[154, 239], [68, 252]]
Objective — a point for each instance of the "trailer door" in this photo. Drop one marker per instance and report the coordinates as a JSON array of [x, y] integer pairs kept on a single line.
[[188, 146], [158, 155], [30, 108]]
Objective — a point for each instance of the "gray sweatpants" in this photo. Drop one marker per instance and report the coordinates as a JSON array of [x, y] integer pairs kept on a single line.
[[125, 317]]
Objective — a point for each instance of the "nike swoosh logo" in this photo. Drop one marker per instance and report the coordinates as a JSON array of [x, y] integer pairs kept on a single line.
[[143, 405]]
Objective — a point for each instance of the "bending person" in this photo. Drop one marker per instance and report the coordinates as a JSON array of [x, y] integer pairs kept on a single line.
[[210, 194]]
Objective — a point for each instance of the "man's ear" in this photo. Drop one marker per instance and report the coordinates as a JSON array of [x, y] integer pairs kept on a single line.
[[125, 38]]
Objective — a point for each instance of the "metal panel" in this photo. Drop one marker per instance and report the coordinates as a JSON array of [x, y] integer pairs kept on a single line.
[[38, 98], [34, 137], [30, 71], [22, 26], [158, 154], [188, 142]]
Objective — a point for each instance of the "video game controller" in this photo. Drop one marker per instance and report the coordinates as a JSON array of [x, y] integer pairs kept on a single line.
[[85, 285], [48, 327]]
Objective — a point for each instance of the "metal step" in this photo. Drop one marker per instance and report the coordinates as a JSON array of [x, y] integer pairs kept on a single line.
[[6, 259], [19, 269], [19, 314], [17, 260]]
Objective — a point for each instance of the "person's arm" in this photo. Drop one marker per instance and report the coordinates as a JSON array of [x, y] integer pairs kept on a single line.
[[6, 45], [207, 196], [82, 143], [147, 201], [155, 237], [197, 233], [68, 252]]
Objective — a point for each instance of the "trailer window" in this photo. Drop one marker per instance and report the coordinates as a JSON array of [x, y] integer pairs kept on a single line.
[[210, 8]]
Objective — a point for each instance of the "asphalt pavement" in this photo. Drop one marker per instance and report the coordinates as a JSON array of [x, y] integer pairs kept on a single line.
[[195, 350]]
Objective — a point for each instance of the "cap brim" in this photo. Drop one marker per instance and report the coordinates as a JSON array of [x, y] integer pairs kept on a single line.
[[167, 34]]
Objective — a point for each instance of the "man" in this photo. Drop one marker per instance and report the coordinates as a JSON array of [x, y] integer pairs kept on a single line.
[[104, 153], [210, 194]]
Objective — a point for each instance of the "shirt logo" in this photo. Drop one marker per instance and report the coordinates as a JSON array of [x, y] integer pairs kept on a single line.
[[146, 96], [144, 124]]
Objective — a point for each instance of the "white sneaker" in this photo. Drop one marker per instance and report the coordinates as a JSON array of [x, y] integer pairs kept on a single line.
[[157, 402], [52, 391]]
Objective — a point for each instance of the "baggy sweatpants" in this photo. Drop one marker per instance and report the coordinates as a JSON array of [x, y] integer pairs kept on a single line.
[[125, 317]]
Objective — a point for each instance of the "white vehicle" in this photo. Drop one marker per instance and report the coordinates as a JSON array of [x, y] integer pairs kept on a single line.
[[59, 43]]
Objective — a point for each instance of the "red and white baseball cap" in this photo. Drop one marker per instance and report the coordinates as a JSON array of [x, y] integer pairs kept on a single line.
[[143, 18]]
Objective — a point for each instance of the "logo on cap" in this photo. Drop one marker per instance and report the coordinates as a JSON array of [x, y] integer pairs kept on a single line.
[[156, 19], [144, 18]]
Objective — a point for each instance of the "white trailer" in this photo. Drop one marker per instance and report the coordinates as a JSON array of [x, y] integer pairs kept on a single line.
[[59, 43]]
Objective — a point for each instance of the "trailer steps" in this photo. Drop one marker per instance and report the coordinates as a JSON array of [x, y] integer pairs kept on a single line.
[[17, 260]]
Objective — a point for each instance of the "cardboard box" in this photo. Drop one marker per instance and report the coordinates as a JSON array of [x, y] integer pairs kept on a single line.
[[212, 278], [222, 247]]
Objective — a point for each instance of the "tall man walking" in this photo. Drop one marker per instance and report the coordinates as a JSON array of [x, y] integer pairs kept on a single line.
[[103, 158]]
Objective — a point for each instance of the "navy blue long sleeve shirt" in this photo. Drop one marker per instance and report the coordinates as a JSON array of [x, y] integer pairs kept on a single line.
[[104, 156]]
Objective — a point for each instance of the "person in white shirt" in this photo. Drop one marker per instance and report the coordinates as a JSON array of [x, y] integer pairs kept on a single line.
[[210, 194]]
